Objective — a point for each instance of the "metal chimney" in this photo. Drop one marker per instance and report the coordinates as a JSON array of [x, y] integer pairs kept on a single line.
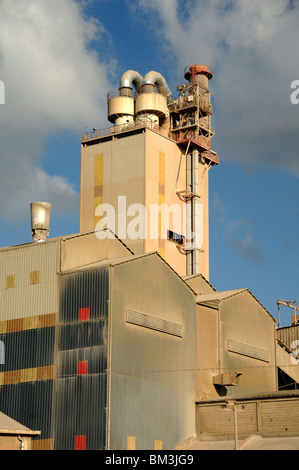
[[40, 220]]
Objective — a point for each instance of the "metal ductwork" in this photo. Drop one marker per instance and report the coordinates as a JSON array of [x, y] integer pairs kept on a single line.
[[154, 78], [148, 105], [121, 104], [129, 78]]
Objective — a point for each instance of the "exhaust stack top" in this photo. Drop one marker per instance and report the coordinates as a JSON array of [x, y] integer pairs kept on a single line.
[[40, 220]]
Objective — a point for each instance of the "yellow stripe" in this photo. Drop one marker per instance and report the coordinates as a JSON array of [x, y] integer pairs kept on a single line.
[[98, 181], [162, 167], [31, 323], [27, 375], [28, 323], [98, 169]]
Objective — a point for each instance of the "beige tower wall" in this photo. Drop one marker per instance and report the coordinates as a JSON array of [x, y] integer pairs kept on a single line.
[[148, 169], [165, 167], [109, 170]]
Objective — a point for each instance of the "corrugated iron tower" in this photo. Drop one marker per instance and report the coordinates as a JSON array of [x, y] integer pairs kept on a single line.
[[146, 178]]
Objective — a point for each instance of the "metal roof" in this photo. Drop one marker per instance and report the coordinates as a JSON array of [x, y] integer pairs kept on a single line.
[[127, 259], [10, 426], [213, 300], [64, 238], [194, 276], [110, 262]]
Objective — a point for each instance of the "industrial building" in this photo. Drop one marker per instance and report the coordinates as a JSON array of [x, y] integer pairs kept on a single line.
[[113, 341]]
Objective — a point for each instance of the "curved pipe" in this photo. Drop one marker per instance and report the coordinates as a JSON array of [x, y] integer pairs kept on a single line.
[[131, 77], [155, 78]]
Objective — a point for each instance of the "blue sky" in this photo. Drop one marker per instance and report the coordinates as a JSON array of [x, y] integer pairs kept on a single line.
[[59, 59]]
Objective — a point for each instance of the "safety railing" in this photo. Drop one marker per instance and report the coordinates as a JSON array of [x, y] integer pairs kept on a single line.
[[111, 131]]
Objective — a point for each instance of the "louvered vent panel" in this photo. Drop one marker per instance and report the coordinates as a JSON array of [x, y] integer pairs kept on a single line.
[[154, 323]]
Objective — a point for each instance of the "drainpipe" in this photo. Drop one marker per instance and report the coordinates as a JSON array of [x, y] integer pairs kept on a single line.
[[195, 212], [189, 213]]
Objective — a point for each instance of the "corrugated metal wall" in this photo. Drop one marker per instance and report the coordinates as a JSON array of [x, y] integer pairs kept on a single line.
[[289, 336], [153, 374], [81, 386], [243, 320], [55, 370], [28, 315], [29, 295]]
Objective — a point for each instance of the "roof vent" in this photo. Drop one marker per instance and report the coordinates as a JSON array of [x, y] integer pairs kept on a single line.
[[40, 220]]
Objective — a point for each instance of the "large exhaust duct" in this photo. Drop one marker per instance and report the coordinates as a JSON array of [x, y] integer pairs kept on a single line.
[[40, 220], [121, 105], [129, 78], [148, 105], [152, 79]]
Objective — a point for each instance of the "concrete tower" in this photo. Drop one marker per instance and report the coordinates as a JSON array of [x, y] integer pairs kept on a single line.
[[146, 178]]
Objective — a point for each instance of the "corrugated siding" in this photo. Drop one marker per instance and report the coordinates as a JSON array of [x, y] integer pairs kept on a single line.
[[23, 298], [153, 373], [247, 338], [55, 371], [87, 249], [81, 386], [28, 313], [289, 335], [30, 404]]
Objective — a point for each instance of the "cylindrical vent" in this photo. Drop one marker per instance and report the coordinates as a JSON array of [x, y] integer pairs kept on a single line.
[[40, 220], [199, 73]]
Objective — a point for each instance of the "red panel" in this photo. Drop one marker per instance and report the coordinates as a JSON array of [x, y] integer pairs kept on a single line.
[[84, 314], [80, 442], [82, 367]]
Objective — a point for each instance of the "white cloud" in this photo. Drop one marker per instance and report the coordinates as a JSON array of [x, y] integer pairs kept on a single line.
[[238, 235], [53, 83], [252, 48]]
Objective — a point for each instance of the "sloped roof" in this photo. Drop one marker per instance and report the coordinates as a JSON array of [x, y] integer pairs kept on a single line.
[[213, 300], [128, 259], [10, 426], [68, 237], [194, 277], [110, 262]]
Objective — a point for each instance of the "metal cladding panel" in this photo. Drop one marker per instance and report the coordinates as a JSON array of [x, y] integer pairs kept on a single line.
[[27, 377], [81, 412], [94, 359], [121, 172], [24, 298], [247, 344], [28, 349], [30, 404], [150, 411], [87, 290], [289, 336], [153, 372], [87, 249], [81, 386]]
